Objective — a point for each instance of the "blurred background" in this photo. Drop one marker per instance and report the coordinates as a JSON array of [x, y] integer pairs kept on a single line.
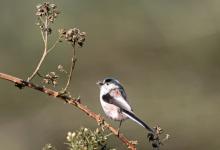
[[165, 53]]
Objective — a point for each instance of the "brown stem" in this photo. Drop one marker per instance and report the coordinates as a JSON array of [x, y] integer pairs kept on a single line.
[[71, 68], [44, 37], [98, 118], [38, 66]]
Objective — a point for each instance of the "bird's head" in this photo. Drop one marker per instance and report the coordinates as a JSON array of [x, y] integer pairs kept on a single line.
[[108, 84]]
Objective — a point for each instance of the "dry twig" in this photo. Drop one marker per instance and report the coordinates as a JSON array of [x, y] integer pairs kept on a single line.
[[73, 63]]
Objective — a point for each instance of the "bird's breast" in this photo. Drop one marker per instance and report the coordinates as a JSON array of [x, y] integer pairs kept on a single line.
[[112, 111]]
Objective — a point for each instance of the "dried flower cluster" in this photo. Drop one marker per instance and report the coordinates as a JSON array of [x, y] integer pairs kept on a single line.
[[61, 68], [73, 35], [51, 78], [47, 9], [46, 13]]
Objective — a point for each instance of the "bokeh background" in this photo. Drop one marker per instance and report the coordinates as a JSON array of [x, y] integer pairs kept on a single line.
[[165, 53]]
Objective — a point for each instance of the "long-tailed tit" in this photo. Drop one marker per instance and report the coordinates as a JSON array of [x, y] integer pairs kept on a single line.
[[115, 104]]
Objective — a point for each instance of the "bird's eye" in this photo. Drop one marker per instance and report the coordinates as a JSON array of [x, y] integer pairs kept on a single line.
[[107, 83]]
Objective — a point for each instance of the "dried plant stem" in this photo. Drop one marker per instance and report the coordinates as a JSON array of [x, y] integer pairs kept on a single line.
[[54, 45], [98, 118], [38, 66], [73, 63], [45, 39]]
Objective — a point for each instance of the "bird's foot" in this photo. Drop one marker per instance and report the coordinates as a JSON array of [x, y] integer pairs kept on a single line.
[[118, 132]]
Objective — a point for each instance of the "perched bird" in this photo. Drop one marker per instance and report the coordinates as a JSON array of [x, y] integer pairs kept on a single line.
[[115, 104]]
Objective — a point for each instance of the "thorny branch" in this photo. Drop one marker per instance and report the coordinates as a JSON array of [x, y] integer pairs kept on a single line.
[[72, 101]]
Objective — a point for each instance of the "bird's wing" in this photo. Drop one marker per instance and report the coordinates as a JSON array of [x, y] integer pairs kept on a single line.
[[116, 98]]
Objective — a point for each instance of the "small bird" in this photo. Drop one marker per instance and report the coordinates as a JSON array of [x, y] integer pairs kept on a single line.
[[115, 104]]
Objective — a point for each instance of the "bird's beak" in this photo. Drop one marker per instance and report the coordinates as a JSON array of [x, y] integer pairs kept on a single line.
[[99, 83]]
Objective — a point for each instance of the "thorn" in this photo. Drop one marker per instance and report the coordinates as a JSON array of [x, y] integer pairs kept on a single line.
[[78, 99]]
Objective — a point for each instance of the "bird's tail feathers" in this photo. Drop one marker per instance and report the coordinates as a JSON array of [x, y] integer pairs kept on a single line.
[[137, 120]]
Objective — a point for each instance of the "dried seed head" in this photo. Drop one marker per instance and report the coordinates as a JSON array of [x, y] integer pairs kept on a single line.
[[46, 81], [73, 35], [39, 6], [38, 13], [82, 33], [47, 10], [70, 33], [53, 6], [54, 83], [76, 31]]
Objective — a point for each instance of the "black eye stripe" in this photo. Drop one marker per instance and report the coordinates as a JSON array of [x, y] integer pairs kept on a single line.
[[108, 80]]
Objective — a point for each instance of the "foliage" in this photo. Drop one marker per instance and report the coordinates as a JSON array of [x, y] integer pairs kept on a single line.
[[85, 139]]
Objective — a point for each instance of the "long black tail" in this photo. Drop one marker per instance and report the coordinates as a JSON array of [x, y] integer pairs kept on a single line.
[[137, 120]]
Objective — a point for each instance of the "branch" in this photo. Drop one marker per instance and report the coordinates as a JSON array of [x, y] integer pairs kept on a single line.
[[72, 101]]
